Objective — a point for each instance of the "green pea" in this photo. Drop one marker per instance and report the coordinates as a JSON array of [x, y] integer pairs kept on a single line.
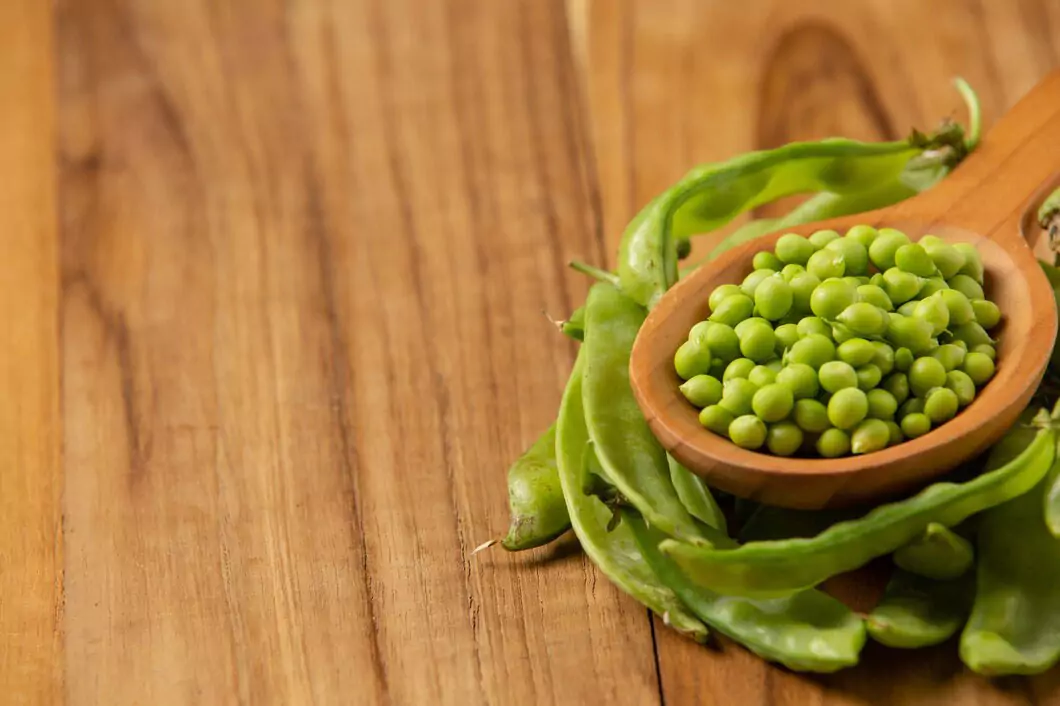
[[914, 405], [855, 282], [966, 286], [811, 416], [721, 292], [900, 286], [746, 325], [748, 431], [721, 339], [862, 234], [773, 298], [733, 309], [898, 385], [910, 332], [831, 297], [716, 418], [962, 386], [800, 378], [833, 443], [972, 334], [979, 367], [884, 247], [766, 260], [896, 436], [776, 365], [760, 375], [792, 247], [813, 324], [717, 366], [930, 286], [856, 352], [874, 295], [870, 435], [908, 308], [877, 280], [739, 368], [984, 348], [869, 376], [973, 266], [961, 311], [934, 311], [823, 237], [814, 350], [913, 258], [864, 319], [791, 271], [802, 289], [773, 402], [750, 283], [903, 358], [825, 264], [884, 358], [930, 239], [836, 375], [737, 395], [882, 404], [924, 374], [986, 313], [787, 335], [914, 425], [941, 405], [946, 258], [692, 358], [841, 334], [855, 255], [702, 390], [758, 343], [951, 356], [847, 407], [784, 438]]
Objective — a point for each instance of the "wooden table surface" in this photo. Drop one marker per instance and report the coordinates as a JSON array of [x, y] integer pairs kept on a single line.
[[274, 276]]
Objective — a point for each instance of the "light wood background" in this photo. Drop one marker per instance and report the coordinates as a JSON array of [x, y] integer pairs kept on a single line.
[[273, 281]]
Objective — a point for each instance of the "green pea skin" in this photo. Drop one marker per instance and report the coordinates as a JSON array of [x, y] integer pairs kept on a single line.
[[910, 332], [833, 443], [908, 308], [801, 379], [855, 255], [884, 358], [882, 404], [884, 246], [862, 234], [775, 365], [717, 419], [979, 367], [930, 286], [973, 266], [790, 272], [841, 334], [830, 298], [951, 356], [746, 325], [823, 237], [868, 376], [847, 407], [966, 286], [960, 307], [794, 248], [813, 324], [748, 432], [946, 258], [914, 425], [856, 352], [737, 395], [903, 358], [739, 368], [925, 374], [750, 283], [870, 435], [900, 286], [733, 309], [773, 298], [836, 375], [787, 335], [913, 405], [761, 375], [811, 415], [962, 386], [934, 311], [784, 438], [897, 385], [864, 319], [721, 292], [773, 402], [702, 390], [941, 405], [897, 436], [758, 343], [984, 348], [874, 295], [825, 264], [913, 258], [766, 260], [802, 288], [972, 334], [986, 313], [692, 358], [721, 339], [814, 350]]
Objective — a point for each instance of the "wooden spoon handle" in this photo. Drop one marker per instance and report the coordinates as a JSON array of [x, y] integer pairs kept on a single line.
[[989, 192]]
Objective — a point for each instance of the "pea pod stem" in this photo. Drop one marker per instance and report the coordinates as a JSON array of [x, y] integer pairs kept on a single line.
[[772, 568], [596, 273]]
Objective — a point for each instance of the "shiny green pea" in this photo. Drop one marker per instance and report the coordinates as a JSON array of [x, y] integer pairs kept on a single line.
[[794, 248], [702, 390], [831, 297], [758, 343], [733, 309], [874, 295], [869, 376], [908, 308], [856, 352], [897, 384], [864, 319], [776, 365], [773, 298], [847, 407], [979, 367], [962, 386], [973, 266], [692, 358], [914, 405], [841, 334], [739, 368], [862, 234], [836, 375], [811, 415], [760, 375], [941, 405], [913, 258], [802, 289], [813, 324], [792, 271], [900, 286], [882, 404], [855, 255], [800, 378], [773, 402], [766, 260], [748, 431], [737, 395], [903, 358], [986, 313], [946, 258], [825, 264], [934, 311], [716, 418], [870, 435], [721, 292], [784, 438], [814, 350], [984, 348], [960, 307], [750, 283], [951, 356], [884, 246], [717, 366], [924, 374], [966, 286], [930, 286], [787, 335], [823, 237], [896, 433], [884, 358], [746, 325], [972, 334], [721, 339], [833, 443], [916, 424], [910, 332]]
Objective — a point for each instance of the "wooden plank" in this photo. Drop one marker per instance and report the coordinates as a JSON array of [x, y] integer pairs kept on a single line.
[[31, 553], [675, 83], [306, 249]]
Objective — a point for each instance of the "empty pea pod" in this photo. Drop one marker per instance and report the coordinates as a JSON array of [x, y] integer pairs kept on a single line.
[[773, 568], [695, 495], [938, 553], [917, 612], [535, 497]]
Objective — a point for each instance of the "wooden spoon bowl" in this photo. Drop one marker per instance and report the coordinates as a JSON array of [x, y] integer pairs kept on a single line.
[[986, 201]]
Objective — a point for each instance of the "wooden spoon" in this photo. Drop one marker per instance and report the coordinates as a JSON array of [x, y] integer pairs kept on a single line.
[[986, 201]]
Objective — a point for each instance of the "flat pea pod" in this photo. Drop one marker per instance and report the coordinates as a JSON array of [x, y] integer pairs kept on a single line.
[[1014, 627], [535, 497], [918, 612], [695, 495], [612, 549], [938, 553], [807, 632], [632, 458], [772, 568]]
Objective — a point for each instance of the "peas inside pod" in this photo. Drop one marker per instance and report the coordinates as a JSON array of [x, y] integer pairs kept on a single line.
[[842, 344]]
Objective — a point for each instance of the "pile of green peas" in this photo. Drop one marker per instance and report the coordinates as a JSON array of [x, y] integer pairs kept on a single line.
[[842, 344]]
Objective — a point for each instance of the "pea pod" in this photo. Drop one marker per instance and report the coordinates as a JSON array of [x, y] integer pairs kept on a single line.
[[613, 551], [1052, 508], [808, 632], [1015, 623], [535, 497], [774, 568], [574, 326], [917, 612], [938, 553], [695, 495], [632, 457]]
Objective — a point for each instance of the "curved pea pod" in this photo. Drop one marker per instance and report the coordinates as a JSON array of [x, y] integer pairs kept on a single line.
[[1015, 623], [535, 497], [611, 548], [696, 496], [632, 458], [808, 632], [774, 568], [917, 612], [938, 553]]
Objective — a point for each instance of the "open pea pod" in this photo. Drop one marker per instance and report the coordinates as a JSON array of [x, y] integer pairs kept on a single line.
[[917, 612], [776, 568]]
